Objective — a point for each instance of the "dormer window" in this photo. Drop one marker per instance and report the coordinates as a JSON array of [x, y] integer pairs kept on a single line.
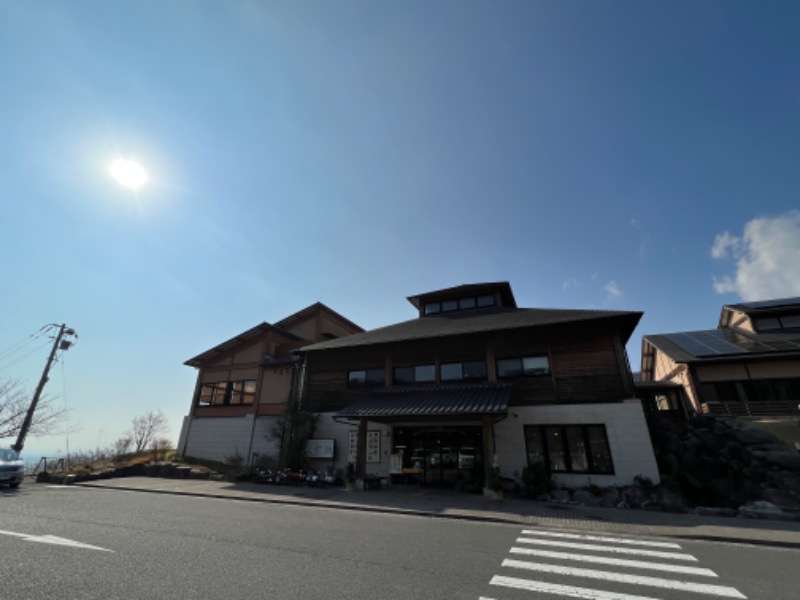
[[466, 303]]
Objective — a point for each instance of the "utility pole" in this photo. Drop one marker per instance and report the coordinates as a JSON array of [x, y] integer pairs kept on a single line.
[[59, 344]]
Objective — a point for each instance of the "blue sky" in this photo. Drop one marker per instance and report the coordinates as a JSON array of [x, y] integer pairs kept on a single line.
[[622, 155]]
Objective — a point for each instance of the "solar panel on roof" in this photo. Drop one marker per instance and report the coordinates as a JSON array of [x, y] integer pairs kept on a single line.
[[724, 342], [772, 303]]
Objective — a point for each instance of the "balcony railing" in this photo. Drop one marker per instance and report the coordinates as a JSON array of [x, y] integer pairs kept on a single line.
[[754, 409]]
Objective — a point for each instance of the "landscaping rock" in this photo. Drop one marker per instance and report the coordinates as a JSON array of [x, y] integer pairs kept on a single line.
[[789, 461], [760, 510], [714, 511], [750, 436], [585, 498]]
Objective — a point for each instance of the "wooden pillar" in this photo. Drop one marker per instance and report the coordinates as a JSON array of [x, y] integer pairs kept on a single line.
[[488, 449], [361, 450]]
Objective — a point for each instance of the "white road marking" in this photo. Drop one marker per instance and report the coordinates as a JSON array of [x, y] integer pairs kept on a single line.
[[562, 590], [618, 562], [599, 538], [700, 588], [52, 539], [612, 549]]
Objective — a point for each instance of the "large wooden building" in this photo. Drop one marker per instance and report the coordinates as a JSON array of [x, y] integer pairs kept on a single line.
[[475, 382], [244, 384]]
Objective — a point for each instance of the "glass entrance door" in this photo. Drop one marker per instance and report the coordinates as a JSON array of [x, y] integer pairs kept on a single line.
[[441, 456]]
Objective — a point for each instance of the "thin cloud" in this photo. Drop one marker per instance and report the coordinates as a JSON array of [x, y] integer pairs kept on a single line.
[[767, 258], [569, 283], [612, 290]]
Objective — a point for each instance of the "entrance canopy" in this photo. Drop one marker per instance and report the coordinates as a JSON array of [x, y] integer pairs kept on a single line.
[[441, 401]]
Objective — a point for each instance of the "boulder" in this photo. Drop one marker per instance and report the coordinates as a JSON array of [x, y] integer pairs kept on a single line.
[[760, 509], [785, 459], [781, 499], [634, 496], [585, 498], [671, 501], [750, 436], [715, 511]]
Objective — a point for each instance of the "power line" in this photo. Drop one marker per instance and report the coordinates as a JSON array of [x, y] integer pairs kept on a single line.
[[16, 346], [11, 364]]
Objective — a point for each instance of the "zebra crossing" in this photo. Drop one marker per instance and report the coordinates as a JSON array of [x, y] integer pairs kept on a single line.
[[633, 568]]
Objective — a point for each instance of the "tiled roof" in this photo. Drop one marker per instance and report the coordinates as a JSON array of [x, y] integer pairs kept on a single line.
[[477, 321], [481, 399], [236, 340]]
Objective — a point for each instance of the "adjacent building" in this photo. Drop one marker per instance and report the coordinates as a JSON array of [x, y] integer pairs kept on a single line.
[[244, 384], [748, 366]]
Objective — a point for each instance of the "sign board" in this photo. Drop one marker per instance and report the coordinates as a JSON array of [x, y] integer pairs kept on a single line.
[[319, 448], [396, 463], [373, 446]]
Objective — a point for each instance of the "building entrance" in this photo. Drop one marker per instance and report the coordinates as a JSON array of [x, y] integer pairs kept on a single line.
[[444, 456]]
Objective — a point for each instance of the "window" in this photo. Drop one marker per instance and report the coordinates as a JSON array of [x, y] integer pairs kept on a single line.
[[467, 303], [365, 378], [569, 448], [417, 374], [473, 371], [484, 301], [227, 393], [431, 308], [243, 392], [777, 323], [449, 305], [529, 366]]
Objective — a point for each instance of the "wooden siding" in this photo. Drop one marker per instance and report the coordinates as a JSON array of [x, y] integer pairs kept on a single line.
[[586, 365]]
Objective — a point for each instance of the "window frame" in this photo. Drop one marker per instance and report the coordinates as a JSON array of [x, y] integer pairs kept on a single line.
[[462, 377], [522, 372], [227, 390], [413, 380], [583, 429], [366, 382]]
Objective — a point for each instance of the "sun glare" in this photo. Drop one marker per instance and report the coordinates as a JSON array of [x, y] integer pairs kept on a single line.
[[128, 173]]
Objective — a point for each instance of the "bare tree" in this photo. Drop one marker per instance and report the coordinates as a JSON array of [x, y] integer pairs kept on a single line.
[[147, 428], [14, 402]]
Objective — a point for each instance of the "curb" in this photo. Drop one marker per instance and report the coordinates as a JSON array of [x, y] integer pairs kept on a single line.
[[429, 514]]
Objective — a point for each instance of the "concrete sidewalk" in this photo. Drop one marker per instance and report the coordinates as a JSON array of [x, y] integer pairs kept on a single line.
[[426, 502]]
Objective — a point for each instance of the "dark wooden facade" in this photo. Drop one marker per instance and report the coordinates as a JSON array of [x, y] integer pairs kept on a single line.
[[587, 359]]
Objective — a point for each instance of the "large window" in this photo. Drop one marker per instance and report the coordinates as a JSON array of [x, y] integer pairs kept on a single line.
[[228, 393], [467, 303], [463, 371], [528, 366], [752, 390], [415, 374], [366, 378], [569, 448]]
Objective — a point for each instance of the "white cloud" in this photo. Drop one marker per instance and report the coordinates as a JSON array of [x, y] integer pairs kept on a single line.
[[612, 290], [724, 243], [569, 283], [767, 258]]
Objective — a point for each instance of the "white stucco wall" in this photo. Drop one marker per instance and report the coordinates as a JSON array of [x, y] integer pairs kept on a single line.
[[215, 438], [327, 428], [628, 438]]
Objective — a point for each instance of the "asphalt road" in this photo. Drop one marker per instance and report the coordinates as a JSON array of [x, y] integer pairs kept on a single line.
[[115, 544]]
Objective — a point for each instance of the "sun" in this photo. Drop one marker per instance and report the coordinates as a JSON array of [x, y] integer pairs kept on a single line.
[[128, 173]]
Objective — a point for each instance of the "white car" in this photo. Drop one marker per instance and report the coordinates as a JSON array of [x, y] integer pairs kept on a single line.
[[12, 469]]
